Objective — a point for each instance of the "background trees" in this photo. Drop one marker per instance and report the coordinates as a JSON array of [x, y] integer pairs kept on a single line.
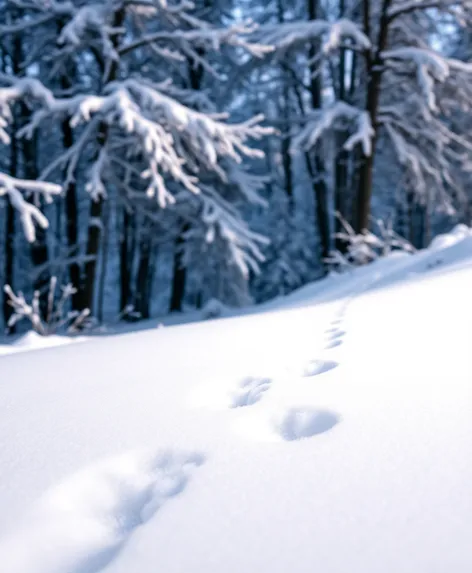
[[134, 133]]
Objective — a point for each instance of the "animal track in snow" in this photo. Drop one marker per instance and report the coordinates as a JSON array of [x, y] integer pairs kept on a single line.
[[316, 367], [335, 334], [250, 391], [332, 330], [333, 344], [81, 525], [299, 423]]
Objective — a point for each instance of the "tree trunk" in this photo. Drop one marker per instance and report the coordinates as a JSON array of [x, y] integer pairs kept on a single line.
[[125, 260], [72, 219], [103, 270], [374, 82], [29, 152], [179, 278], [39, 248], [87, 294], [179, 274], [9, 261], [319, 183], [143, 282], [10, 233], [342, 156], [285, 113]]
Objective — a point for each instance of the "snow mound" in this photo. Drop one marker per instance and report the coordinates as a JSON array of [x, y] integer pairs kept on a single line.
[[458, 233], [34, 341], [213, 309]]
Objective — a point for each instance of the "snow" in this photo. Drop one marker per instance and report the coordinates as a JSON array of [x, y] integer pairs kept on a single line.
[[33, 341], [329, 430]]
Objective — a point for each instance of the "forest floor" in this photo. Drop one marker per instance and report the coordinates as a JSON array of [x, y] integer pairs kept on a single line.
[[327, 431]]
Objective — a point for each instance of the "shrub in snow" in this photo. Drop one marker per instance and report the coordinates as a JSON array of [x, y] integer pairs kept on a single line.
[[363, 248], [56, 319]]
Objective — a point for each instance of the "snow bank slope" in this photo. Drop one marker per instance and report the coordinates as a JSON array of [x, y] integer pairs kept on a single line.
[[327, 436]]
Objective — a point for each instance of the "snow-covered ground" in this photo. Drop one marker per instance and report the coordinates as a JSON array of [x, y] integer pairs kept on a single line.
[[331, 431]]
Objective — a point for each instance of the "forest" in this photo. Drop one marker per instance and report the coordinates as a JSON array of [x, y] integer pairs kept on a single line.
[[159, 156]]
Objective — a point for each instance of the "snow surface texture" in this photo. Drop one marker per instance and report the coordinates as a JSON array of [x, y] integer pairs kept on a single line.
[[34, 341], [82, 524], [330, 432]]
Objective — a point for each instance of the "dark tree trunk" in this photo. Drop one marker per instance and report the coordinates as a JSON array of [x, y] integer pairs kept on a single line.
[[179, 274], [143, 279], [374, 82], [39, 248], [125, 259], [286, 155], [87, 294], [10, 234], [285, 113], [72, 219], [104, 265], [9, 261], [319, 183], [341, 167], [93, 245], [418, 230], [179, 278], [70, 191], [29, 153]]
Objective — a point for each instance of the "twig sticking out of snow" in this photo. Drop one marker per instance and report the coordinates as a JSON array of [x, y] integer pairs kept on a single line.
[[363, 248], [56, 317]]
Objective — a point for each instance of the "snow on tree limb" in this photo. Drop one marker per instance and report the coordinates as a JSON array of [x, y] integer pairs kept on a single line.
[[146, 140], [90, 19], [204, 37], [430, 67], [329, 119], [15, 188], [29, 213], [290, 34], [170, 135], [407, 6], [243, 244]]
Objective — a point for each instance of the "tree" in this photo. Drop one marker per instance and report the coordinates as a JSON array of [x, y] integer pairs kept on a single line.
[[148, 145], [406, 76]]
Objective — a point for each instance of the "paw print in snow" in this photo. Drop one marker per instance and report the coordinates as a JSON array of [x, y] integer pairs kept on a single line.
[[250, 391]]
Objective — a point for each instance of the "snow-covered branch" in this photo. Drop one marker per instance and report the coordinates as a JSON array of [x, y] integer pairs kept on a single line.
[[334, 117], [243, 244], [404, 7], [331, 35], [430, 67], [175, 140], [30, 215], [205, 38], [363, 248]]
